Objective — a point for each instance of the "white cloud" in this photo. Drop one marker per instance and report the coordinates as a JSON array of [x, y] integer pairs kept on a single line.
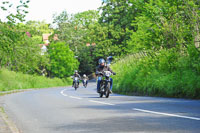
[[44, 9]]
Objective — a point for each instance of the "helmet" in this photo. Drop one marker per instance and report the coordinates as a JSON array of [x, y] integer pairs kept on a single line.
[[76, 71], [84, 75], [101, 61], [110, 58]]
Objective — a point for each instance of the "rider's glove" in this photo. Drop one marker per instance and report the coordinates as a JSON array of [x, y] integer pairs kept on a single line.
[[114, 73]]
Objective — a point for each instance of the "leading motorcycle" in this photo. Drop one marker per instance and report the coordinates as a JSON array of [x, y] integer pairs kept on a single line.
[[105, 83]]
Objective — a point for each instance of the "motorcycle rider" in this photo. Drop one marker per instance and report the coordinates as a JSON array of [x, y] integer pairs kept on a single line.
[[103, 67], [75, 75], [85, 78]]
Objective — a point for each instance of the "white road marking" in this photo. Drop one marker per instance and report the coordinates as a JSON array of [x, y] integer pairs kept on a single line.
[[101, 102], [75, 97], [167, 114], [62, 92]]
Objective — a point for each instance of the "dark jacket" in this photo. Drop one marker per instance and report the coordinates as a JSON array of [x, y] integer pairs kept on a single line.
[[76, 75], [104, 68]]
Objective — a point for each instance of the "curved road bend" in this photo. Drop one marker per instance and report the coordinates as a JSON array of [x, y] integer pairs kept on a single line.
[[64, 110]]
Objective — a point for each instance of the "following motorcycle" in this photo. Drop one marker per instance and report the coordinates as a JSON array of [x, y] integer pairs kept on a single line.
[[85, 83], [76, 84]]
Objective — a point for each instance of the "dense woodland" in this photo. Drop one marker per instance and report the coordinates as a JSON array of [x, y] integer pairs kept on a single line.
[[155, 43]]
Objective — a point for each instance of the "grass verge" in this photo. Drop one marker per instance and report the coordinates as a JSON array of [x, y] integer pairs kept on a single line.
[[10, 80], [167, 75]]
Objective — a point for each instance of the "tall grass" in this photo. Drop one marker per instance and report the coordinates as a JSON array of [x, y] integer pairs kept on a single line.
[[10, 80], [166, 75]]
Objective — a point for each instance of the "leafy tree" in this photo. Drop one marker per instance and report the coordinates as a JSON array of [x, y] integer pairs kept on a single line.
[[117, 16], [75, 30], [19, 12], [165, 24], [37, 28], [18, 52], [86, 59], [62, 60]]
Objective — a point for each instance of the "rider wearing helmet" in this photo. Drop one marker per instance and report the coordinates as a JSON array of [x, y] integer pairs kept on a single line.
[[85, 78], [103, 67], [76, 75]]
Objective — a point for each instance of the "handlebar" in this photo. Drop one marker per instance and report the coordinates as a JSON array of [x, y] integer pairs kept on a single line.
[[103, 73]]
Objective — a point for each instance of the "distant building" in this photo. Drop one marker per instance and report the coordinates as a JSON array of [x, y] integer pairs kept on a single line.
[[45, 38], [93, 44], [55, 38], [43, 49], [88, 44]]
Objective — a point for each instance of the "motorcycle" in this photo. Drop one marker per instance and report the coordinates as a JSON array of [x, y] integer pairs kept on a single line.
[[85, 83], [105, 84], [76, 83]]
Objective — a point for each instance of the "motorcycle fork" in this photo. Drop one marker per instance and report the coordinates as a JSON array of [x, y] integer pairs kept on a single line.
[[102, 85], [106, 82]]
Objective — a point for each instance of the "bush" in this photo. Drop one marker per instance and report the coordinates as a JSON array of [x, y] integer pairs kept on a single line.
[[169, 74], [62, 60]]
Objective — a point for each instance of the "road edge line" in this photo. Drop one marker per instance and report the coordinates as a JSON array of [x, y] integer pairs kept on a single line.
[[10, 124]]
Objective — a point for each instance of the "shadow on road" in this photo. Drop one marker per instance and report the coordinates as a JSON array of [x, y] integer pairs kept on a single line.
[[122, 124]]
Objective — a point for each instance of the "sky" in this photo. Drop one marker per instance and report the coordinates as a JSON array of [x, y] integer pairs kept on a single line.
[[44, 9]]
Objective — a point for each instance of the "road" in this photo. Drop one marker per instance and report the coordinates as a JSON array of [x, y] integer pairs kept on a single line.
[[64, 110]]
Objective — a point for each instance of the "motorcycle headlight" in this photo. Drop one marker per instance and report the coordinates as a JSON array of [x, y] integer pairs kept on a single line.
[[107, 73]]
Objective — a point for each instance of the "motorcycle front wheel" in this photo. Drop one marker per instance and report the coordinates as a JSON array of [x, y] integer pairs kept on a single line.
[[76, 86], [107, 93], [101, 94]]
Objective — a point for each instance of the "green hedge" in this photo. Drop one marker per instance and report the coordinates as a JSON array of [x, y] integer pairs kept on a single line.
[[167, 74]]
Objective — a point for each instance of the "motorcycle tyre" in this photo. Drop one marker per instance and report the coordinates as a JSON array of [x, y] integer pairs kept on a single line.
[[107, 92]]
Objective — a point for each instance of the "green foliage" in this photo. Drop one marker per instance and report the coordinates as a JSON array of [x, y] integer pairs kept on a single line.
[[62, 60], [163, 35], [16, 15], [167, 73], [86, 59], [117, 16], [73, 29], [10, 80], [165, 24], [77, 30], [169, 33], [37, 28], [18, 51]]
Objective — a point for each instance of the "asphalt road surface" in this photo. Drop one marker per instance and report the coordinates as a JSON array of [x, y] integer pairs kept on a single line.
[[64, 110]]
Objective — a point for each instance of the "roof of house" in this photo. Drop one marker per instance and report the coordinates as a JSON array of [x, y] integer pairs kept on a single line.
[[45, 36]]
